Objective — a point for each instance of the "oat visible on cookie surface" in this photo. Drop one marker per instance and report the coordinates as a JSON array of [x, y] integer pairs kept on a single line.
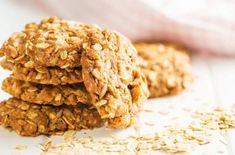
[[29, 119], [52, 42], [44, 75], [112, 78], [6, 64], [166, 67], [46, 94]]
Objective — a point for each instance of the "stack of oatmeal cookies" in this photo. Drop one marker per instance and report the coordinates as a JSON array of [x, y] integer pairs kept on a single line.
[[69, 76]]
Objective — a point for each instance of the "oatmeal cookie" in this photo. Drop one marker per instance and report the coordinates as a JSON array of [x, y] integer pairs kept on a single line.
[[28, 119], [44, 75], [166, 67], [6, 64], [111, 77], [46, 94], [52, 42]]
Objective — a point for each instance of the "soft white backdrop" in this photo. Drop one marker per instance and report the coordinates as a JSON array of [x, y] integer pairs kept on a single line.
[[205, 25]]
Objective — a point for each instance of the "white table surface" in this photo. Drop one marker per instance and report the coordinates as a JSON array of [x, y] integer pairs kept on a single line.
[[215, 85]]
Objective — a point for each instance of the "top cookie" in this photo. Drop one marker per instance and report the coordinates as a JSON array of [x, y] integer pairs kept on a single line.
[[52, 42], [110, 74], [166, 67]]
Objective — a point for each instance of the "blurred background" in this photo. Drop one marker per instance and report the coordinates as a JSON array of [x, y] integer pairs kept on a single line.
[[205, 26]]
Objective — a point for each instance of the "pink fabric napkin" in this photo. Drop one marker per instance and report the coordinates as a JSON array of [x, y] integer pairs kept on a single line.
[[204, 25]]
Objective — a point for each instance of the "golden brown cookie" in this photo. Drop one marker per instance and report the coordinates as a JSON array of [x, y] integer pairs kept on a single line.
[[28, 119], [44, 75], [46, 94], [110, 74], [166, 67], [52, 42], [6, 64]]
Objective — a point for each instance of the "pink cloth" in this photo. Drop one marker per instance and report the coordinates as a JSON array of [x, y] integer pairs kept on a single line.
[[203, 25]]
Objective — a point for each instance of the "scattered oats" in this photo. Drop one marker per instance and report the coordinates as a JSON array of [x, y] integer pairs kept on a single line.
[[108, 129], [21, 147], [171, 107], [223, 140], [175, 118], [47, 145], [164, 112], [136, 127], [113, 135], [223, 132], [219, 109], [16, 153], [233, 108], [172, 139], [220, 151], [69, 135], [187, 109], [149, 124], [147, 110]]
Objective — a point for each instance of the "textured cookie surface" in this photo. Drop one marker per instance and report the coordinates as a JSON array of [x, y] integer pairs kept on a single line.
[[111, 77], [46, 94], [29, 119], [166, 67], [52, 42], [44, 75], [58, 52]]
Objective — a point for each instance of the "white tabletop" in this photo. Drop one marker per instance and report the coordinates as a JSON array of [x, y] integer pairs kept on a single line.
[[215, 85]]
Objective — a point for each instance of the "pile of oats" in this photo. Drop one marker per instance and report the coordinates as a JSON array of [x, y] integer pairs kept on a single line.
[[170, 140]]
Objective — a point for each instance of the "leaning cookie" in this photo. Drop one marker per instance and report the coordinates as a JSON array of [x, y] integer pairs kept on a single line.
[[44, 75], [29, 119], [110, 74], [166, 67], [46, 94], [52, 43]]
